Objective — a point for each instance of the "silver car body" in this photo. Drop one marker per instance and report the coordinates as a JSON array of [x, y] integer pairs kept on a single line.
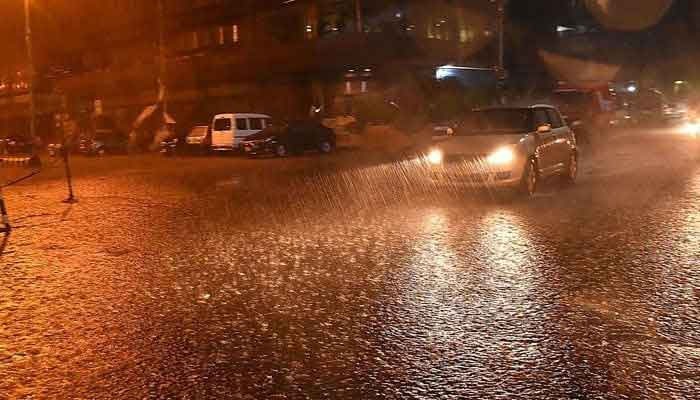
[[469, 159]]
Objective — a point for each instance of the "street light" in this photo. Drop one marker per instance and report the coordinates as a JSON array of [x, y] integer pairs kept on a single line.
[[501, 34], [30, 62], [162, 62], [501, 6]]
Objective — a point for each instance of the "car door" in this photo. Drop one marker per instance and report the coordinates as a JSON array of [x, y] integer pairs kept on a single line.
[[223, 130], [311, 136], [546, 157], [295, 139], [304, 136], [560, 133]]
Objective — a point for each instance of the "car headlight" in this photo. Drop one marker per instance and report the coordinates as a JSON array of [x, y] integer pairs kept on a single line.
[[435, 156], [691, 128], [502, 156]]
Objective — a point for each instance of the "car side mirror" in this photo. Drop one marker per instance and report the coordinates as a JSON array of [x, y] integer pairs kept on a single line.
[[544, 129]]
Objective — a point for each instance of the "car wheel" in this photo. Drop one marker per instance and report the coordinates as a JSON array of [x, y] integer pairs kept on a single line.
[[530, 179], [571, 173], [326, 147], [281, 150]]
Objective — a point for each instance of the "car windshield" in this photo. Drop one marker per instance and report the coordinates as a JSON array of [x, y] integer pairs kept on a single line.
[[497, 121]]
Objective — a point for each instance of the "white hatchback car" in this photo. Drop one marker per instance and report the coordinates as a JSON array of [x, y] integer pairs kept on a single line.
[[507, 147]]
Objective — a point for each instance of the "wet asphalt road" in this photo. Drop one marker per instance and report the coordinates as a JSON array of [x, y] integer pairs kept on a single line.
[[208, 279]]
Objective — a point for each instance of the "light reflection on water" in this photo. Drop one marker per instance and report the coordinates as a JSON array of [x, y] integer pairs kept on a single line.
[[509, 256], [461, 302], [462, 317]]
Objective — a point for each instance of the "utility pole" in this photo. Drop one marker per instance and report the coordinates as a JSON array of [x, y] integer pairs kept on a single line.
[[162, 63], [359, 24], [502, 4], [32, 72]]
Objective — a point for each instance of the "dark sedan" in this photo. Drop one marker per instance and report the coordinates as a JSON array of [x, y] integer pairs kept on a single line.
[[15, 144], [197, 141], [292, 138], [104, 142]]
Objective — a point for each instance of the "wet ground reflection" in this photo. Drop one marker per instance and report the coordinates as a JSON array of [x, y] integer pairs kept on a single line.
[[173, 291]]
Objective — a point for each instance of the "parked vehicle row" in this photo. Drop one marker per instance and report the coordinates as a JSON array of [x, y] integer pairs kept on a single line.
[[103, 142], [292, 138], [255, 135], [197, 141]]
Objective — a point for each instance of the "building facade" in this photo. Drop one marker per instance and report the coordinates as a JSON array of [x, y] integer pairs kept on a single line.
[[272, 56]]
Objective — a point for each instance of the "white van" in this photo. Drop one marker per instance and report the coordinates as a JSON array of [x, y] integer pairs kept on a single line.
[[229, 130]]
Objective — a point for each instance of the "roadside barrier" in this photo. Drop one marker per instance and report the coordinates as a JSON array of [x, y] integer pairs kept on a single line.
[[31, 161], [4, 218]]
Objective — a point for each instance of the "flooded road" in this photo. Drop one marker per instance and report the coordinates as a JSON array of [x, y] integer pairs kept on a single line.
[[176, 279]]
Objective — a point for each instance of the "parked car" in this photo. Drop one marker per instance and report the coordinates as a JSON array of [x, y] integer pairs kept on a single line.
[[507, 147], [587, 111], [293, 138], [103, 142], [229, 130], [197, 141], [443, 131], [199, 137], [675, 113], [15, 144]]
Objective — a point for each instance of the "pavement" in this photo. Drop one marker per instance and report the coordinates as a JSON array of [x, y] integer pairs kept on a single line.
[[348, 277]]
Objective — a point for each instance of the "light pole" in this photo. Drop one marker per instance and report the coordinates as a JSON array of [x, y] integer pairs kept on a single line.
[[162, 66], [359, 24], [501, 34], [30, 62]]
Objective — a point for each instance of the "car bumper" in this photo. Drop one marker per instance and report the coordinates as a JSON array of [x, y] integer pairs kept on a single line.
[[257, 150], [224, 148], [473, 177], [496, 180]]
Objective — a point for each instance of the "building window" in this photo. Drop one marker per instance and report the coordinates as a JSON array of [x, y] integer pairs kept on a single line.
[[204, 37], [336, 16], [439, 28], [309, 31], [466, 35], [222, 35], [226, 34]]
